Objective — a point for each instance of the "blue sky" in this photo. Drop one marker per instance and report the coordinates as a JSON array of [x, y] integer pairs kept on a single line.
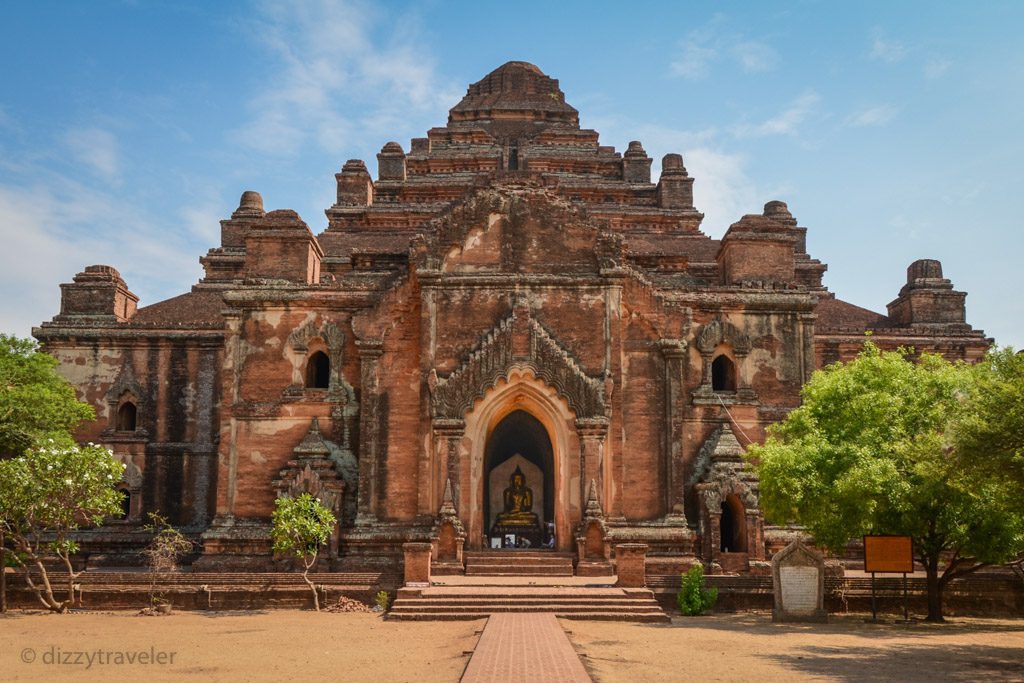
[[892, 130]]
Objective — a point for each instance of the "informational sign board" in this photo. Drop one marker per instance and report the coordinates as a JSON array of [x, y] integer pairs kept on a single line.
[[888, 554]]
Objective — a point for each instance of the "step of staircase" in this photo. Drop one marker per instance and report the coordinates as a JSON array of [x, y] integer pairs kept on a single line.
[[518, 563], [477, 602]]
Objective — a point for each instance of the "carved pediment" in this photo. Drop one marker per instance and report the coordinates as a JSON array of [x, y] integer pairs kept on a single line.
[[332, 335], [720, 471], [315, 472], [126, 384], [512, 228], [721, 331], [453, 396]]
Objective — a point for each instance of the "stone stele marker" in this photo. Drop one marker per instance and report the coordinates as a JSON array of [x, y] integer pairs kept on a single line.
[[798, 580]]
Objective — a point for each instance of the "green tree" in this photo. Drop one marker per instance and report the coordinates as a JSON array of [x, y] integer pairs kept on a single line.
[[36, 403], [870, 451], [989, 432], [47, 494], [300, 527], [693, 597]]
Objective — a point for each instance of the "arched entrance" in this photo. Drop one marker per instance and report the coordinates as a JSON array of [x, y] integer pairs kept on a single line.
[[519, 482], [733, 529]]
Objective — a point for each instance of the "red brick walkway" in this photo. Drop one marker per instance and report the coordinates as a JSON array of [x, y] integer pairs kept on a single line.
[[524, 647]]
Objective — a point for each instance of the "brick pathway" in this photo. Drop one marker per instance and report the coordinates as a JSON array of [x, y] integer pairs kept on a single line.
[[524, 647]]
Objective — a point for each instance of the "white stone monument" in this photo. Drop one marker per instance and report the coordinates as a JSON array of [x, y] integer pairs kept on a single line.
[[798, 580]]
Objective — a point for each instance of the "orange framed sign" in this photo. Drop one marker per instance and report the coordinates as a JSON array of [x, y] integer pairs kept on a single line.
[[889, 554]]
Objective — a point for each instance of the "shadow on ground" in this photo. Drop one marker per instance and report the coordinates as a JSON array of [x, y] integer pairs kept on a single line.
[[945, 663]]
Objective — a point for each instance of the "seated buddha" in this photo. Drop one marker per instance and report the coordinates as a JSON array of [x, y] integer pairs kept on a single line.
[[518, 499]]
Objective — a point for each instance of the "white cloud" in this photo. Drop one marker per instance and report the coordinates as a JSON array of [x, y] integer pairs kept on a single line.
[[334, 77], [55, 226], [710, 43], [694, 62], [722, 189], [755, 57], [786, 122], [873, 116], [885, 49], [97, 149], [936, 67]]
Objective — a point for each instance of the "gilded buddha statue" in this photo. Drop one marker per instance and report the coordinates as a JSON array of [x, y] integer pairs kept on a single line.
[[518, 499]]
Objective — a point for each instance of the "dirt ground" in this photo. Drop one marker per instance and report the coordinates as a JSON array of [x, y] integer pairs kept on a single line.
[[234, 646], [287, 645], [749, 647]]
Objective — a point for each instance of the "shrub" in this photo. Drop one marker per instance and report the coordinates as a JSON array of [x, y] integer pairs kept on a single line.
[[383, 600], [162, 554], [693, 598]]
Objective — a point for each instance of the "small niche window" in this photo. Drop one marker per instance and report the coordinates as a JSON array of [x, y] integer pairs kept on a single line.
[[723, 374], [127, 416], [126, 502], [513, 159], [318, 371]]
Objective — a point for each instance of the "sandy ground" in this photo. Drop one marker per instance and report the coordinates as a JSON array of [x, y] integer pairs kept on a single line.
[[749, 647], [296, 645], [235, 646]]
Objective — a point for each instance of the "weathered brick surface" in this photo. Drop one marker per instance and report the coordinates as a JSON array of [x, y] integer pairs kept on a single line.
[[505, 262]]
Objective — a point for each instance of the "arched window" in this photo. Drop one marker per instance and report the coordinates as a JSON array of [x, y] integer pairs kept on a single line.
[[723, 374], [126, 502], [127, 416], [318, 371]]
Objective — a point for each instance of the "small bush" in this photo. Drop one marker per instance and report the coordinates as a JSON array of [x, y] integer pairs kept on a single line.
[[693, 598], [383, 601]]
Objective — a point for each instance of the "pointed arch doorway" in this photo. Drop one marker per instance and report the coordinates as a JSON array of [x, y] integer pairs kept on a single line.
[[519, 482]]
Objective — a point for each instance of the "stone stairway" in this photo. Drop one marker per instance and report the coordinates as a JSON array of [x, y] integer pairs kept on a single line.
[[517, 563], [448, 603]]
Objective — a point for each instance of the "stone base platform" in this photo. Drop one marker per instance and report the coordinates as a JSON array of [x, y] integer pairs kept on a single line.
[[517, 563], [445, 603]]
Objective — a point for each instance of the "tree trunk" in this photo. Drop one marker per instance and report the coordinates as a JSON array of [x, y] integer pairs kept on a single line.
[[70, 602], [935, 586], [305, 577], [3, 573]]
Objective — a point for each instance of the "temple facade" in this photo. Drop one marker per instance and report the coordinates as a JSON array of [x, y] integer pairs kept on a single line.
[[513, 335]]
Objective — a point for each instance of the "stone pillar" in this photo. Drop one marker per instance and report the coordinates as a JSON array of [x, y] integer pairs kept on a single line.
[[369, 430], [714, 541], [674, 353], [417, 563], [592, 432], [630, 565], [705, 379], [447, 436], [807, 361]]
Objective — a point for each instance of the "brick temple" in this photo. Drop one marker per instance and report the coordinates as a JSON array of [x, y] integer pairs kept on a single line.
[[512, 336]]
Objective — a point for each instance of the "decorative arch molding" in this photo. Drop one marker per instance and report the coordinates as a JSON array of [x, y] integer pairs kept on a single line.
[[332, 335], [709, 338], [720, 331], [313, 470], [719, 474], [126, 388], [461, 448], [338, 389], [493, 360]]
